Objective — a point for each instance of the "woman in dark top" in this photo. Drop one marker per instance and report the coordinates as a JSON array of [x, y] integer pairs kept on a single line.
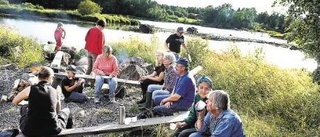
[[156, 77], [42, 116]]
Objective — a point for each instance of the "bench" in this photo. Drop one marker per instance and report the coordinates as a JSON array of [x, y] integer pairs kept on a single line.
[[90, 77], [115, 127]]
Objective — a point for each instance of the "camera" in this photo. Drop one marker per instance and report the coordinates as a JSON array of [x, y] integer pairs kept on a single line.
[[200, 105], [76, 79]]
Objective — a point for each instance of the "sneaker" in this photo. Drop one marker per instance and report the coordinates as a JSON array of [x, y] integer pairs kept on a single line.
[[96, 100]]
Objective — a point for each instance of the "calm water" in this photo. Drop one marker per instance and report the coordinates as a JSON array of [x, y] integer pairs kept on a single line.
[[282, 57]]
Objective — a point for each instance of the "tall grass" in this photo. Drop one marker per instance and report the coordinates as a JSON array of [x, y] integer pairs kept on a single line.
[[19, 49], [271, 101]]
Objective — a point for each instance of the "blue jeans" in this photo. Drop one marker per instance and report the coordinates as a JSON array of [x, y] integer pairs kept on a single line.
[[112, 82], [153, 87], [159, 92], [77, 97], [175, 107], [158, 99], [198, 134]]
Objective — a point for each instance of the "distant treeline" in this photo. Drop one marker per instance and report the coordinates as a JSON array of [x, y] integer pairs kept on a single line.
[[223, 16]]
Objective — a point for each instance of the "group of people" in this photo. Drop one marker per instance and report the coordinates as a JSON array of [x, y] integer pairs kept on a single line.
[[170, 88]]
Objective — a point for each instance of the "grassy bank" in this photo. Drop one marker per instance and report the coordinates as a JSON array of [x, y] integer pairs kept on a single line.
[[29, 11], [18, 49], [271, 101]]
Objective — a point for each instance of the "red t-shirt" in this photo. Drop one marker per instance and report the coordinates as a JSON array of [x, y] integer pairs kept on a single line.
[[94, 40]]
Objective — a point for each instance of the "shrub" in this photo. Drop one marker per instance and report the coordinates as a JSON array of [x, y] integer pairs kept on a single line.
[[19, 49], [4, 2], [88, 7]]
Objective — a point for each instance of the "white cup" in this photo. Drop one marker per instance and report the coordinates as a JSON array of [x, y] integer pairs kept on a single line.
[[134, 119], [172, 126], [127, 121]]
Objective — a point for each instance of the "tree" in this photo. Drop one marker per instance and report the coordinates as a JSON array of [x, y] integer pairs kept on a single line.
[[305, 30], [88, 7]]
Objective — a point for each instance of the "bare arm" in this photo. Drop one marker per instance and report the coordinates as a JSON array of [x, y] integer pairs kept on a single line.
[[185, 47], [24, 94], [166, 46], [157, 78], [172, 98], [58, 107], [64, 33]]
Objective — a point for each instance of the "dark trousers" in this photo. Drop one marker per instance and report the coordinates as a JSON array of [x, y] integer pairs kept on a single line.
[[91, 59], [144, 85], [184, 131], [64, 121]]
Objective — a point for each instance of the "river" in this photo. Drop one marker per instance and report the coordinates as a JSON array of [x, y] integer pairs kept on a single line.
[[282, 57]]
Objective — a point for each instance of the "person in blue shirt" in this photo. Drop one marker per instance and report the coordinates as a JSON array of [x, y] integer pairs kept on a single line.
[[220, 121], [183, 94]]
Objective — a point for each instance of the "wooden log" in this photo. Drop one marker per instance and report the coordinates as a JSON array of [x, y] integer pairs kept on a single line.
[[115, 127]]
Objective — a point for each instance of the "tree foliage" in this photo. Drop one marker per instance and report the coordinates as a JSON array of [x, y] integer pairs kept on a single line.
[[305, 30], [88, 7]]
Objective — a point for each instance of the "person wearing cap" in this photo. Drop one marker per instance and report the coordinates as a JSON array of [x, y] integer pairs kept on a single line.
[[175, 41], [221, 120], [105, 65], [72, 87], [59, 36], [186, 127], [183, 94], [94, 43], [43, 115]]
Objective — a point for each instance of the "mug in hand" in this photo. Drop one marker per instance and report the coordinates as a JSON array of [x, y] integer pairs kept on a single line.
[[200, 105]]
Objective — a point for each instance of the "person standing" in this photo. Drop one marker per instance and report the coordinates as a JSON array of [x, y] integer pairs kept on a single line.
[[221, 120], [175, 41], [43, 115], [105, 65], [72, 87], [59, 36], [94, 42]]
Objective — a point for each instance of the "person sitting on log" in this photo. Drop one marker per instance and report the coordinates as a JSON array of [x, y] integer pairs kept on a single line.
[[186, 127], [170, 77], [156, 77], [72, 87], [43, 115], [106, 64], [183, 94]]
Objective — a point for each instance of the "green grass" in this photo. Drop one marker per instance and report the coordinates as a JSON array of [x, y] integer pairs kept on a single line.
[[271, 101], [19, 49]]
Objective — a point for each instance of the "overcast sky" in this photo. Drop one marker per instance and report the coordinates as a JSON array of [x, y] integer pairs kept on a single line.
[[260, 5]]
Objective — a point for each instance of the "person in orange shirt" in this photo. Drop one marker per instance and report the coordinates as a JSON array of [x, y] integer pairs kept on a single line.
[[94, 43], [59, 36], [106, 64]]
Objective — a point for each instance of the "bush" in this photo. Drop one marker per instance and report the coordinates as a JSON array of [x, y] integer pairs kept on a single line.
[[88, 7], [18, 49], [4, 2]]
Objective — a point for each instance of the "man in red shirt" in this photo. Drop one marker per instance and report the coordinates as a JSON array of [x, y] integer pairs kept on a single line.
[[94, 42]]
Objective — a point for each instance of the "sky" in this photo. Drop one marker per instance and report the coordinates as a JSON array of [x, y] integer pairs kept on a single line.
[[260, 5]]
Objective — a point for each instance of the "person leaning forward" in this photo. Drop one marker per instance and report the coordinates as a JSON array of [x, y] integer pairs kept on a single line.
[[175, 41], [221, 120], [42, 116], [105, 65]]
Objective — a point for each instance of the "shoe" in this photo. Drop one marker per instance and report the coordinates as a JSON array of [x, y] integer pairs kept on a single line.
[[96, 100], [141, 101], [142, 105]]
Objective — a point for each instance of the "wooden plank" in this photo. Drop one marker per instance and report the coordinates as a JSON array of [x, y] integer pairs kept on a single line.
[[115, 127], [62, 75], [56, 63]]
